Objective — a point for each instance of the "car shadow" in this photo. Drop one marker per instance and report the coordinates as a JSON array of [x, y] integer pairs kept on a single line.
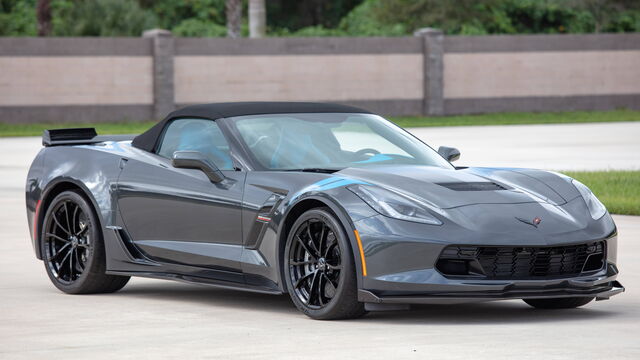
[[207, 295], [497, 312]]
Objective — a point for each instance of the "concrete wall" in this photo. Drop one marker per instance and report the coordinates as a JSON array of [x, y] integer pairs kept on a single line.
[[75, 79], [382, 74], [115, 79], [541, 73]]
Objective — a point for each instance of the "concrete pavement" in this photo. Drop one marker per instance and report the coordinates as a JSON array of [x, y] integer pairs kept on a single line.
[[597, 146], [164, 319]]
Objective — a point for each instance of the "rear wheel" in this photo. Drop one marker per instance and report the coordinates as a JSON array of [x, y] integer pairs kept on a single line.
[[559, 303], [319, 268], [72, 247]]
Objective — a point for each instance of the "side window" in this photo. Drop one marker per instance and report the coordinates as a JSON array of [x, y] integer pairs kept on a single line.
[[197, 135]]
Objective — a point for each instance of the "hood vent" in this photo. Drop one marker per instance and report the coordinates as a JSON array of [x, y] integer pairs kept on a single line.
[[472, 186]]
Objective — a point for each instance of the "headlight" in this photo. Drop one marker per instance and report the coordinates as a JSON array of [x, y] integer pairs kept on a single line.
[[596, 208], [394, 205]]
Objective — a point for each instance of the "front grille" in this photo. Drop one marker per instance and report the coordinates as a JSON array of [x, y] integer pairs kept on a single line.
[[509, 262]]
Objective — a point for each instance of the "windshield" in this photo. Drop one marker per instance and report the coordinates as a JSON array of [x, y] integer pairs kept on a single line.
[[330, 141]]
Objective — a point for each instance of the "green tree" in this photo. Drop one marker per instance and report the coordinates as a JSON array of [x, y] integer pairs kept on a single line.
[[293, 15], [506, 16], [189, 17], [18, 18], [100, 18]]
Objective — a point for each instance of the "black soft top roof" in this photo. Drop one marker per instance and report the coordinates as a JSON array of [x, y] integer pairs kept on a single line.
[[148, 139]]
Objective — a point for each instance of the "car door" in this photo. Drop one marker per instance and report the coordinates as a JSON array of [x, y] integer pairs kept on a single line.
[[178, 215]]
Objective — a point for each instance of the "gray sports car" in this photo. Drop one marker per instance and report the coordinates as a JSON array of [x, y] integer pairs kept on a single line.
[[336, 206]]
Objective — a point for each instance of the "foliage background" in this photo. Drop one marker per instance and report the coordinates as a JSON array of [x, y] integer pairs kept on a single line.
[[327, 18]]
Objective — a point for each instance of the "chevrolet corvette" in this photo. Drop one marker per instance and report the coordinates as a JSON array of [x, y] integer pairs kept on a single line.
[[335, 206]]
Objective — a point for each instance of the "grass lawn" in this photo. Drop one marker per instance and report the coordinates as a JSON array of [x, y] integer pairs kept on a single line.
[[101, 128], [619, 191], [416, 121], [520, 118]]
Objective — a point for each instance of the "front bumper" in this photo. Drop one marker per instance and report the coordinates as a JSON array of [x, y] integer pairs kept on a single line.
[[401, 261]]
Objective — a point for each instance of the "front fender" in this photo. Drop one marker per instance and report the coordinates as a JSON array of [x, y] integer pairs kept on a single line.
[[347, 207]]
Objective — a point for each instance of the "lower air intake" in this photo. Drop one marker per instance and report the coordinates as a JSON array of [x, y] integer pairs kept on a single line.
[[508, 262]]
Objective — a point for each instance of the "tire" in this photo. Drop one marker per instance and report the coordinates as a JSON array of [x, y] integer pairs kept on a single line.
[[559, 303], [329, 288], [73, 249]]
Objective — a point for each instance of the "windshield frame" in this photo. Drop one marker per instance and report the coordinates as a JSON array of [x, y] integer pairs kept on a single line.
[[256, 165]]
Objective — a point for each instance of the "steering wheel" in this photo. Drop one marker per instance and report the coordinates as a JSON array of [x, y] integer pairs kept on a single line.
[[365, 151]]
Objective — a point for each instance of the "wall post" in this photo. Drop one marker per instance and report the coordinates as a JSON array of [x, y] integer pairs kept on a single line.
[[433, 52], [163, 87]]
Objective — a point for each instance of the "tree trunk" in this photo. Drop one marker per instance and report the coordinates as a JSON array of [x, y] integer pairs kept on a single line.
[[43, 13], [234, 18], [257, 18]]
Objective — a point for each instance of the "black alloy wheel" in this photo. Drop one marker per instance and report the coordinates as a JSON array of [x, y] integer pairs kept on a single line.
[[67, 241], [72, 247], [319, 267]]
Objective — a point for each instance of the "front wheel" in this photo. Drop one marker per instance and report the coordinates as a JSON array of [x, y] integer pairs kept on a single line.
[[319, 268], [72, 247], [559, 303]]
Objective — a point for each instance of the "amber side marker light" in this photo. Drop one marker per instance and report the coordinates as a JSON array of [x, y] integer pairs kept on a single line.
[[364, 263]]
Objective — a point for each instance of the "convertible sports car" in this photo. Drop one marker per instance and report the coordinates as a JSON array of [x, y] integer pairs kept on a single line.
[[336, 206]]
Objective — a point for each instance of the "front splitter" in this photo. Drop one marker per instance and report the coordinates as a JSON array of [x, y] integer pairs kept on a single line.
[[600, 292]]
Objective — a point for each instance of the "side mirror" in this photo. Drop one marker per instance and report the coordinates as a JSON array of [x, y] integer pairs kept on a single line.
[[449, 153], [195, 160]]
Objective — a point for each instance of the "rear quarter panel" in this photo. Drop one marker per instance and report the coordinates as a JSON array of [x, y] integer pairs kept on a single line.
[[92, 168]]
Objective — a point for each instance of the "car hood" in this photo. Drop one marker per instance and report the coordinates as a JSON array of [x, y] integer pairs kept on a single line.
[[451, 188]]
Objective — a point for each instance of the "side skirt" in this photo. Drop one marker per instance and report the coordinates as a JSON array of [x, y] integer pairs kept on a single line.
[[199, 280]]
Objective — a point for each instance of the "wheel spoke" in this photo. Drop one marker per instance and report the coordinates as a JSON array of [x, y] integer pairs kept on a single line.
[[82, 231], [66, 215], [71, 265], [334, 267], [299, 263], [326, 251], [302, 280], [56, 237], [312, 288], [315, 248], [55, 219], [64, 258], [322, 242], [73, 218], [60, 251], [306, 248], [320, 292], [329, 282], [79, 262]]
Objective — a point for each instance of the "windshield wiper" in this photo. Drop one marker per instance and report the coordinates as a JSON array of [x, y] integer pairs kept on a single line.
[[316, 170]]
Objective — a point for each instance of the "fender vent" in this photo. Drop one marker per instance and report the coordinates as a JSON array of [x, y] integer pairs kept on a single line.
[[472, 186]]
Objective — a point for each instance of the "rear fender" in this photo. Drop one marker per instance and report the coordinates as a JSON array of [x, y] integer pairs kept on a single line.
[[94, 173]]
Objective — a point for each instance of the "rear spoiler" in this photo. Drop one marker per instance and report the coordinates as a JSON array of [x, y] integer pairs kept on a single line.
[[78, 136]]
